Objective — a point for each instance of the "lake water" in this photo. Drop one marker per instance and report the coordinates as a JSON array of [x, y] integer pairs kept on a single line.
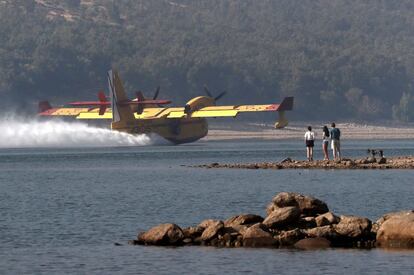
[[63, 209]]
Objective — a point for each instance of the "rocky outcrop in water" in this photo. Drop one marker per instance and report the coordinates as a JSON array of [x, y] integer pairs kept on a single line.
[[396, 230], [163, 234], [308, 206], [406, 162], [293, 220]]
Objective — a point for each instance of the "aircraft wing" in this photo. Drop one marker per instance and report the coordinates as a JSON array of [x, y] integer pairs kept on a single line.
[[150, 113], [224, 111], [233, 110], [65, 112], [93, 113], [171, 112]]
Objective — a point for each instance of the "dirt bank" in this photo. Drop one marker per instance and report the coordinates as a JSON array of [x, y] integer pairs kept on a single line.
[[297, 130]]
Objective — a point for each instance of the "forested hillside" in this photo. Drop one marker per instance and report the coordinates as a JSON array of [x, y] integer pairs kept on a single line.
[[341, 59]]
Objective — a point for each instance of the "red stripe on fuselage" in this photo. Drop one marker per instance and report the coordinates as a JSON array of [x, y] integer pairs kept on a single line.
[[272, 107], [48, 112]]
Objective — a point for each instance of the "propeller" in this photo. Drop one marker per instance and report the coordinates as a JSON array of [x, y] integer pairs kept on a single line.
[[157, 91], [220, 95], [140, 102], [210, 95], [103, 99], [103, 103], [207, 91], [140, 96]]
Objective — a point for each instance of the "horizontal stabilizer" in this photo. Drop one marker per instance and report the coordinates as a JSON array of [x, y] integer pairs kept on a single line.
[[44, 106]]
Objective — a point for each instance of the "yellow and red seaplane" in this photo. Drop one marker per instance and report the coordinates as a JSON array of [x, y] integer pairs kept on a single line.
[[143, 116]]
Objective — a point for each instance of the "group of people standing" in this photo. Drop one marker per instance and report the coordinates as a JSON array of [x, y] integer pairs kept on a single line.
[[332, 135]]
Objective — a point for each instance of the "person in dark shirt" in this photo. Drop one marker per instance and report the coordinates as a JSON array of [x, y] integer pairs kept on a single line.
[[325, 142], [335, 142]]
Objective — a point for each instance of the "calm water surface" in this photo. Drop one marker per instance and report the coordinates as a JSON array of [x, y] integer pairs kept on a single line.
[[62, 210]]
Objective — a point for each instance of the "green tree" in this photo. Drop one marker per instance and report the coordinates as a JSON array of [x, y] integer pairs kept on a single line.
[[404, 111]]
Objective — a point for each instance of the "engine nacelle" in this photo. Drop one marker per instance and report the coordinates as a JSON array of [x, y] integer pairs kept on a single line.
[[197, 103]]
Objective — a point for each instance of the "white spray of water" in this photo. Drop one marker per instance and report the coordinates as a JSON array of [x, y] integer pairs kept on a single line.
[[21, 133]]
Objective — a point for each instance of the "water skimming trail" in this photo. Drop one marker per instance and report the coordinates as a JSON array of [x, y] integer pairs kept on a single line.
[[23, 133]]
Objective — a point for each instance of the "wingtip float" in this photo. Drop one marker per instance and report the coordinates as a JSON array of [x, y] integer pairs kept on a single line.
[[141, 115]]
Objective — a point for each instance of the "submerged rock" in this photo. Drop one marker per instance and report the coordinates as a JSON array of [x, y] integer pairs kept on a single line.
[[313, 243]]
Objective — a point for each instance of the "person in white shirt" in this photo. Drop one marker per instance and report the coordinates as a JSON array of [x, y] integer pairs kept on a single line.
[[310, 142]]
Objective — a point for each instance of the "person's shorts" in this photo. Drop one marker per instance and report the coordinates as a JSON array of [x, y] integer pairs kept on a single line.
[[335, 144], [325, 143], [310, 143]]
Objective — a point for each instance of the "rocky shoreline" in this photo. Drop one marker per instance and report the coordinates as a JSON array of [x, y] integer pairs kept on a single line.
[[293, 220], [406, 162]]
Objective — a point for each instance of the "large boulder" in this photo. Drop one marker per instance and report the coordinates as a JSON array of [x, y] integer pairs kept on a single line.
[[236, 228], [309, 206], [193, 232], [397, 231], [242, 220], [353, 227], [282, 217], [207, 223], [306, 223], [326, 219], [212, 231], [270, 208], [387, 216], [327, 232], [163, 234], [256, 236], [289, 238]]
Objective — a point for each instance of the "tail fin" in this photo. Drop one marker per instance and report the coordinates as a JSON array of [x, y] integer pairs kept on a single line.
[[44, 106], [286, 105], [120, 112]]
